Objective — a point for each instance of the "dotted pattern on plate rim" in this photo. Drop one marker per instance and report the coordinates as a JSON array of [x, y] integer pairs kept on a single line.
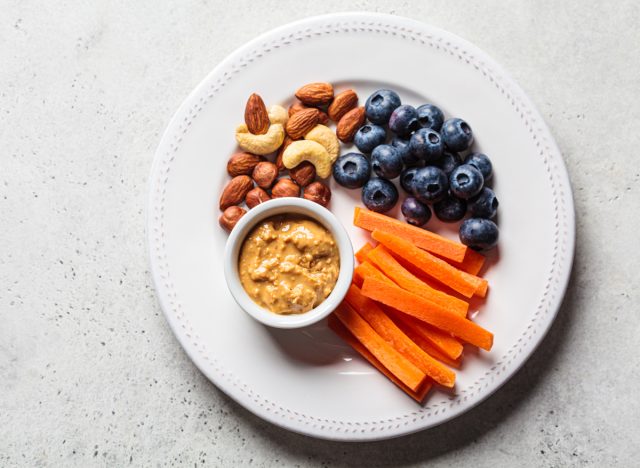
[[535, 130]]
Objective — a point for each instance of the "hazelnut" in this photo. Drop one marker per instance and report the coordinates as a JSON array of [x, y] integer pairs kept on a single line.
[[285, 188], [319, 193], [242, 163], [231, 216], [323, 118], [287, 141], [265, 174], [303, 174], [256, 196]]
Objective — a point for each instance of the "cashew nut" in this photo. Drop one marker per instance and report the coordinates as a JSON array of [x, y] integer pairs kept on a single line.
[[278, 114], [308, 150], [327, 138], [260, 144]]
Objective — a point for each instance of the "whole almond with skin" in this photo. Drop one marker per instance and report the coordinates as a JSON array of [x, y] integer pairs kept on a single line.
[[287, 141], [301, 122], [235, 191], [265, 174], [296, 107], [318, 192], [342, 103], [256, 196], [256, 115], [230, 217], [315, 94], [349, 124], [242, 163], [303, 174], [285, 188]]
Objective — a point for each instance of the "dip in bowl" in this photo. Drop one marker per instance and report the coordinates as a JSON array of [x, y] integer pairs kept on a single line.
[[288, 262]]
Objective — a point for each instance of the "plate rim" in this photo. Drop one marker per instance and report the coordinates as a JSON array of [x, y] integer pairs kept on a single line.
[[377, 430]]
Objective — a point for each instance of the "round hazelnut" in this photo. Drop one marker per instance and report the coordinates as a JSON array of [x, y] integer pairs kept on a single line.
[[318, 192], [231, 216], [256, 196], [303, 174], [265, 174], [285, 188]]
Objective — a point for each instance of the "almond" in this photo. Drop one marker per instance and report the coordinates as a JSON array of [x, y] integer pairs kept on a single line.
[[315, 94], [235, 191], [287, 141], [303, 174], [349, 124], [343, 103], [242, 163], [256, 115], [301, 122], [323, 118], [296, 107]]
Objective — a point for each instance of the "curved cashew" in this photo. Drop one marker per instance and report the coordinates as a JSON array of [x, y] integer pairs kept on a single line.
[[278, 114], [327, 138], [308, 150], [260, 144]]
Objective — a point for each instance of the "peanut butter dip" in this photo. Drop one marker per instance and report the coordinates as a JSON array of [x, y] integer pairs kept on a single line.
[[289, 264]]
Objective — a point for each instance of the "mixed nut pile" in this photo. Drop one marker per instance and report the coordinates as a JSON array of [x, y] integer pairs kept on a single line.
[[301, 143]]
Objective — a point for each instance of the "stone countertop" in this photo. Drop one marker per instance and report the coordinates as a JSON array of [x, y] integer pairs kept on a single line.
[[90, 373]]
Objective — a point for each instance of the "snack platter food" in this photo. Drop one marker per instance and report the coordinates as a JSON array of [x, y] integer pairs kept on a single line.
[[310, 380]]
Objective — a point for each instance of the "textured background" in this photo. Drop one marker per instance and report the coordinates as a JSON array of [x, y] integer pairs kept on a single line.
[[90, 373]]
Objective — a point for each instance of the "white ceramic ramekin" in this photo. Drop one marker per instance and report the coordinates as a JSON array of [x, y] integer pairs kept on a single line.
[[288, 206]]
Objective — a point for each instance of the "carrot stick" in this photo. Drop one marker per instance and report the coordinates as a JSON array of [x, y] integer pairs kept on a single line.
[[372, 221], [388, 330], [446, 344], [472, 263], [381, 258], [418, 307], [340, 330], [367, 270], [357, 278], [426, 345], [458, 280], [361, 255], [397, 364]]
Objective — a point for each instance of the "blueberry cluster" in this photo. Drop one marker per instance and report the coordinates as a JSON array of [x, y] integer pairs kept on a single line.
[[423, 149]]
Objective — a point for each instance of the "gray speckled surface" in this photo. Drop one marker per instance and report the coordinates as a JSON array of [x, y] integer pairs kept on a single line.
[[90, 373]]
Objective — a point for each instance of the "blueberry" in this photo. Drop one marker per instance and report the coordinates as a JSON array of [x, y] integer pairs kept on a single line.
[[379, 195], [457, 134], [450, 209], [481, 162], [404, 121], [404, 150], [430, 116], [426, 144], [478, 233], [415, 212], [430, 184], [368, 137], [386, 162], [484, 205], [449, 162], [466, 181], [406, 179], [351, 170], [380, 105]]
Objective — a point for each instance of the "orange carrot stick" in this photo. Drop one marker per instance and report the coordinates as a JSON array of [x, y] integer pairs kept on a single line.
[[472, 263], [426, 345], [418, 307], [372, 221], [381, 258], [397, 364], [446, 344], [340, 330], [367, 270], [388, 330], [458, 280], [361, 255]]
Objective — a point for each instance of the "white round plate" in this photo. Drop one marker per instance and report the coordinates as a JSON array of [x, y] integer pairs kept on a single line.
[[307, 380]]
